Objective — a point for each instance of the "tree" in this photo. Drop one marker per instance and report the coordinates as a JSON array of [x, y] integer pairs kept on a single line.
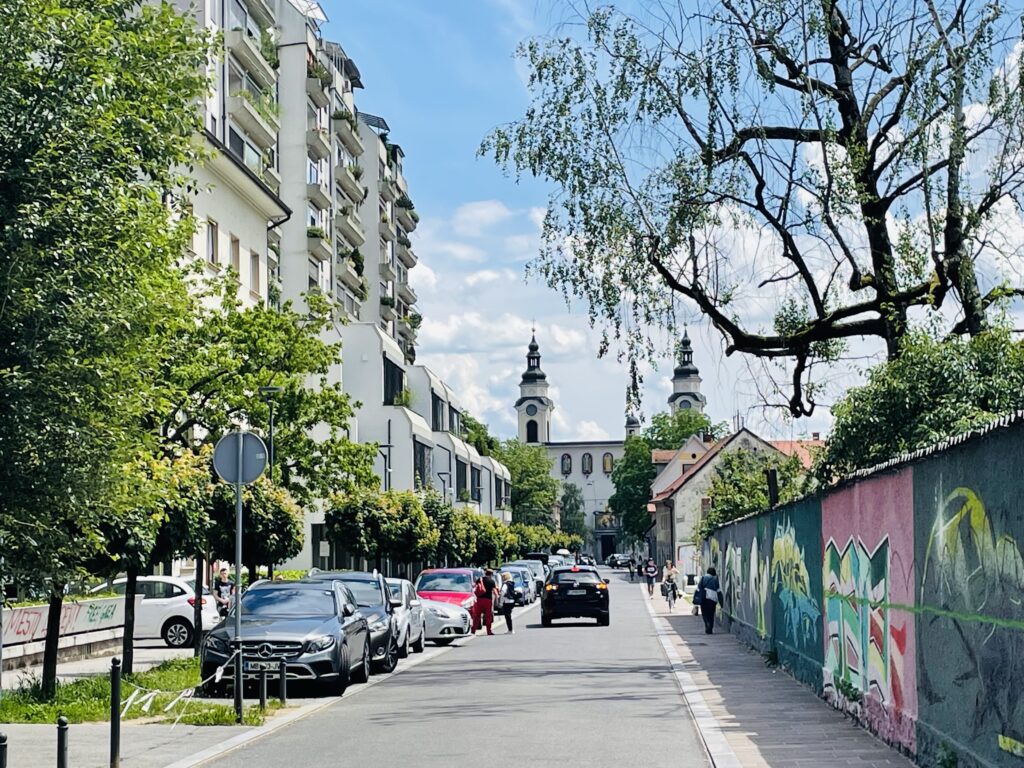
[[97, 113], [815, 161], [391, 524], [534, 490], [632, 476], [477, 434], [494, 540], [740, 485], [456, 539], [669, 430], [573, 521], [934, 390]]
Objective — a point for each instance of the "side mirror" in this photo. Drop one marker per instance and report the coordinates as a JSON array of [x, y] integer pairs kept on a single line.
[[348, 610], [415, 603], [396, 604], [606, 581]]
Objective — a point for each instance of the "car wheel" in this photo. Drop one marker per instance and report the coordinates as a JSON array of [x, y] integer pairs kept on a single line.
[[419, 646], [403, 649], [443, 641], [362, 672], [604, 621], [336, 686], [390, 661], [545, 621], [177, 633]]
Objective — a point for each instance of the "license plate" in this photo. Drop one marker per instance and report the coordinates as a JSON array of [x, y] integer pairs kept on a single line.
[[256, 666], [576, 592]]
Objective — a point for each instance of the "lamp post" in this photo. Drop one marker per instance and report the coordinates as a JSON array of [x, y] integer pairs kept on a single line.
[[268, 394]]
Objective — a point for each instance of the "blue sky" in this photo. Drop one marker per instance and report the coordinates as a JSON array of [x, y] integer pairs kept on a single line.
[[443, 74]]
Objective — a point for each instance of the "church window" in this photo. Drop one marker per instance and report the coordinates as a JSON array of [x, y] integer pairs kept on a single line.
[[588, 463], [531, 431], [566, 464], [606, 463]]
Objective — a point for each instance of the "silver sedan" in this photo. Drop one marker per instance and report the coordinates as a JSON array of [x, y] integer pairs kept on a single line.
[[409, 615], [445, 622]]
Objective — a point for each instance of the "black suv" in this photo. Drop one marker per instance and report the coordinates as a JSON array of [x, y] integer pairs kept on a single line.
[[575, 591], [375, 603]]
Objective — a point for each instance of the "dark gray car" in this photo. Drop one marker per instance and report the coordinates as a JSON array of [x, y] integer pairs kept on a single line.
[[315, 627]]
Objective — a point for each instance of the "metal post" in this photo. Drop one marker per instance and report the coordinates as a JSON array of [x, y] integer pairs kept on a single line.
[[115, 713], [3, 750], [263, 689], [62, 742], [271, 451], [282, 683], [239, 683]]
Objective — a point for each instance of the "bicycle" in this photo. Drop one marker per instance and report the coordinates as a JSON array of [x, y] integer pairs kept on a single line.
[[671, 594]]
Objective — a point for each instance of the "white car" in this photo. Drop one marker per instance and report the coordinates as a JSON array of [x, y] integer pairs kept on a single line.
[[445, 621], [167, 609], [412, 629]]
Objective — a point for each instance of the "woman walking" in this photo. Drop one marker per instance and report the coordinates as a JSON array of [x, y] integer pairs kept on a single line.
[[670, 584], [508, 600], [707, 591]]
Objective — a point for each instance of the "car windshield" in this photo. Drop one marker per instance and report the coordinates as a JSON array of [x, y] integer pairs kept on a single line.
[[367, 593], [444, 582], [288, 602], [577, 577], [396, 591]]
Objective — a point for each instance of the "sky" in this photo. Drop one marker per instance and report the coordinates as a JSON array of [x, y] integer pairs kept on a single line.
[[443, 74]]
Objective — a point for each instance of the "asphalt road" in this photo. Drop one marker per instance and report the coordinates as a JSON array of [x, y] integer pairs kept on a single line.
[[575, 694]]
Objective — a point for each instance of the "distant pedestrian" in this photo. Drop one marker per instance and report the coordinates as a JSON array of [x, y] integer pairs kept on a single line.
[[508, 600], [651, 574], [670, 584], [483, 608], [223, 588], [632, 568], [707, 597]]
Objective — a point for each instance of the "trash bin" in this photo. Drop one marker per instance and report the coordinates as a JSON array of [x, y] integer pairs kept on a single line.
[[691, 579]]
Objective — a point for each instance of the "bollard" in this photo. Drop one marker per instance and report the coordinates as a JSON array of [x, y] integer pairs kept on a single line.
[[3, 750], [263, 690], [115, 713], [282, 691], [62, 742]]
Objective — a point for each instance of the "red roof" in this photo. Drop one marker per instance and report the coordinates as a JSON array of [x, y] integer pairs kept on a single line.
[[680, 481], [804, 449], [660, 456]]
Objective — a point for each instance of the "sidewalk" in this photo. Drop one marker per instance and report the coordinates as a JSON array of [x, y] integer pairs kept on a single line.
[[752, 716]]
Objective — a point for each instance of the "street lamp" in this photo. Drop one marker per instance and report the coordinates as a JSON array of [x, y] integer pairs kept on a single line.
[[269, 393]]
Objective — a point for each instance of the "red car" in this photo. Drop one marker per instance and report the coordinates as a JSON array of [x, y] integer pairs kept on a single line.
[[448, 585]]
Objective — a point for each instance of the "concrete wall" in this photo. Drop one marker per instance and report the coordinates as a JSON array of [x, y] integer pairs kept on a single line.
[[899, 598]]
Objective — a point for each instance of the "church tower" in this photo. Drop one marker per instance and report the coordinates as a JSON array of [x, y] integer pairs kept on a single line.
[[533, 406], [686, 381]]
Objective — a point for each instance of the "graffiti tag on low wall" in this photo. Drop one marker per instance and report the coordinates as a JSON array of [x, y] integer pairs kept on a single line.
[[26, 625]]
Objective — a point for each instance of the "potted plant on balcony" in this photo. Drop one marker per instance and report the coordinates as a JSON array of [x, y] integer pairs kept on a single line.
[[268, 47], [404, 240], [346, 209], [317, 232], [464, 496], [356, 257], [414, 216], [319, 72], [403, 398], [356, 170], [341, 114], [384, 218], [414, 319], [387, 301], [405, 202]]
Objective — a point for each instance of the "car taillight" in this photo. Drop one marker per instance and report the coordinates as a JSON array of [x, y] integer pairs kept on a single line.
[[192, 601]]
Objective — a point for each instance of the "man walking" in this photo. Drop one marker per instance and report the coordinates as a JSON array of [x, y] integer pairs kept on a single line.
[[632, 568], [707, 597], [223, 588], [483, 609], [651, 574]]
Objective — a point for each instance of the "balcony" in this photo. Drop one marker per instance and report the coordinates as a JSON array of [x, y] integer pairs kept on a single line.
[[317, 91], [387, 229], [318, 142], [407, 217], [404, 251], [256, 117], [387, 271], [388, 190], [387, 308], [318, 244], [346, 273], [349, 182], [347, 127], [405, 329], [318, 195], [350, 226], [247, 51], [406, 293], [272, 178], [261, 11]]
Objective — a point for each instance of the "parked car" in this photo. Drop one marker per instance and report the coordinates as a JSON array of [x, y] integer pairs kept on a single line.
[[375, 604], [575, 591], [539, 570], [315, 627], [448, 585], [617, 560], [445, 622], [409, 615], [522, 579], [167, 609], [587, 560]]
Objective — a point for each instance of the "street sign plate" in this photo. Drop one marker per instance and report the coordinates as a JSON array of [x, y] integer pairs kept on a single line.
[[254, 457]]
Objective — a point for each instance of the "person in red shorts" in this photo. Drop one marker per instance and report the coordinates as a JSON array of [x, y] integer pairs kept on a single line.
[[483, 608]]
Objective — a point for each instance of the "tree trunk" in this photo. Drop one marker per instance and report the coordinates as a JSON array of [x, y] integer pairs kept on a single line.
[[128, 641], [253, 575], [197, 614], [49, 683]]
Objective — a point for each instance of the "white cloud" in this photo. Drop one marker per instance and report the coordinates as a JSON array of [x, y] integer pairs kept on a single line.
[[590, 430], [489, 276], [537, 215], [423, 278], [473, 219]]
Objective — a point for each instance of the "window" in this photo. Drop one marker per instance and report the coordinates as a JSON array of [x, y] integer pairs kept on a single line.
[[460, 478], [588, 463], [212, 237], [254, 272], [236, 256], [498, 499], [421, 454], [531, 431], [454, 421], [566, 464], [579, 577], [437, 412], [476, 491], [394, 381], [607, 463]]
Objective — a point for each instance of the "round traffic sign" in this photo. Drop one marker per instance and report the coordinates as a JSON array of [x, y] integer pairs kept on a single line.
[[253, 459]]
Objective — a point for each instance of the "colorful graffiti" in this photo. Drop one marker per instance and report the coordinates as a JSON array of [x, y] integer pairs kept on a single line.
[[792, 585], [759, 583]]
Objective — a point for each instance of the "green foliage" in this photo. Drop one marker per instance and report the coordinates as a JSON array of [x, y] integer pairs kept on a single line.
[[572, 520], [474, 432], [632, 477], [668, 430], [268, 47], [405, 202], [404, 398], [456, 536], [495, 541], [848, 690], [740, 485], [534, 490], [934, 390], [390, 524], [273, 523]]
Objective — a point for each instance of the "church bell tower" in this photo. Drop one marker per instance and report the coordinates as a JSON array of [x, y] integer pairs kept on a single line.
[[533, 406], [686, 381]]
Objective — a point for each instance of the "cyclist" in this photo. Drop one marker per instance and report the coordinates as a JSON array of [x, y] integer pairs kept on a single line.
[[670, 584]]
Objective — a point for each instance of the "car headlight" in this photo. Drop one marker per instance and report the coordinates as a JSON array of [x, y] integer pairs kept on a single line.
[[379, 625], [321, 643], [441, 613], [217, 644]]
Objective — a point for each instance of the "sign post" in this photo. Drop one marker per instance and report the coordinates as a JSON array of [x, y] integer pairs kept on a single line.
[[239, 458]]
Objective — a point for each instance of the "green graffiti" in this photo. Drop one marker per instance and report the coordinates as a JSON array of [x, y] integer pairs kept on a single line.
[[759, 583], [792, 584]]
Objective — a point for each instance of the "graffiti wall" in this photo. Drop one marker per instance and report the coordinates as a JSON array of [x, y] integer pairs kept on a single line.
[[899, 598]]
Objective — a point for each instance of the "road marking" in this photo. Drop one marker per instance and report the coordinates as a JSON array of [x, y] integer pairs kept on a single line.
[[715, 744]]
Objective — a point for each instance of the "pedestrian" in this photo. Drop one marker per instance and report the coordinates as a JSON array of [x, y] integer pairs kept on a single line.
[[706, 597], [632, 568], [483, 609], [223, 588], [670, 584], [508, 600], [651, 573]]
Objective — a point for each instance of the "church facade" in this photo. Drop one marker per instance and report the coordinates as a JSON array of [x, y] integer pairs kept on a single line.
[[588, 464]]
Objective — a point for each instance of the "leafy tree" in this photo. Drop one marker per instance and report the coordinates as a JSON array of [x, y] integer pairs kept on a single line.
[[477, 434], [632, 476], [668, 430], [390, 524], [817, 158], [97, 111], [494, 540], [534, 490], [934, 390], [456, 539], [573, 521], [740, 485]]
